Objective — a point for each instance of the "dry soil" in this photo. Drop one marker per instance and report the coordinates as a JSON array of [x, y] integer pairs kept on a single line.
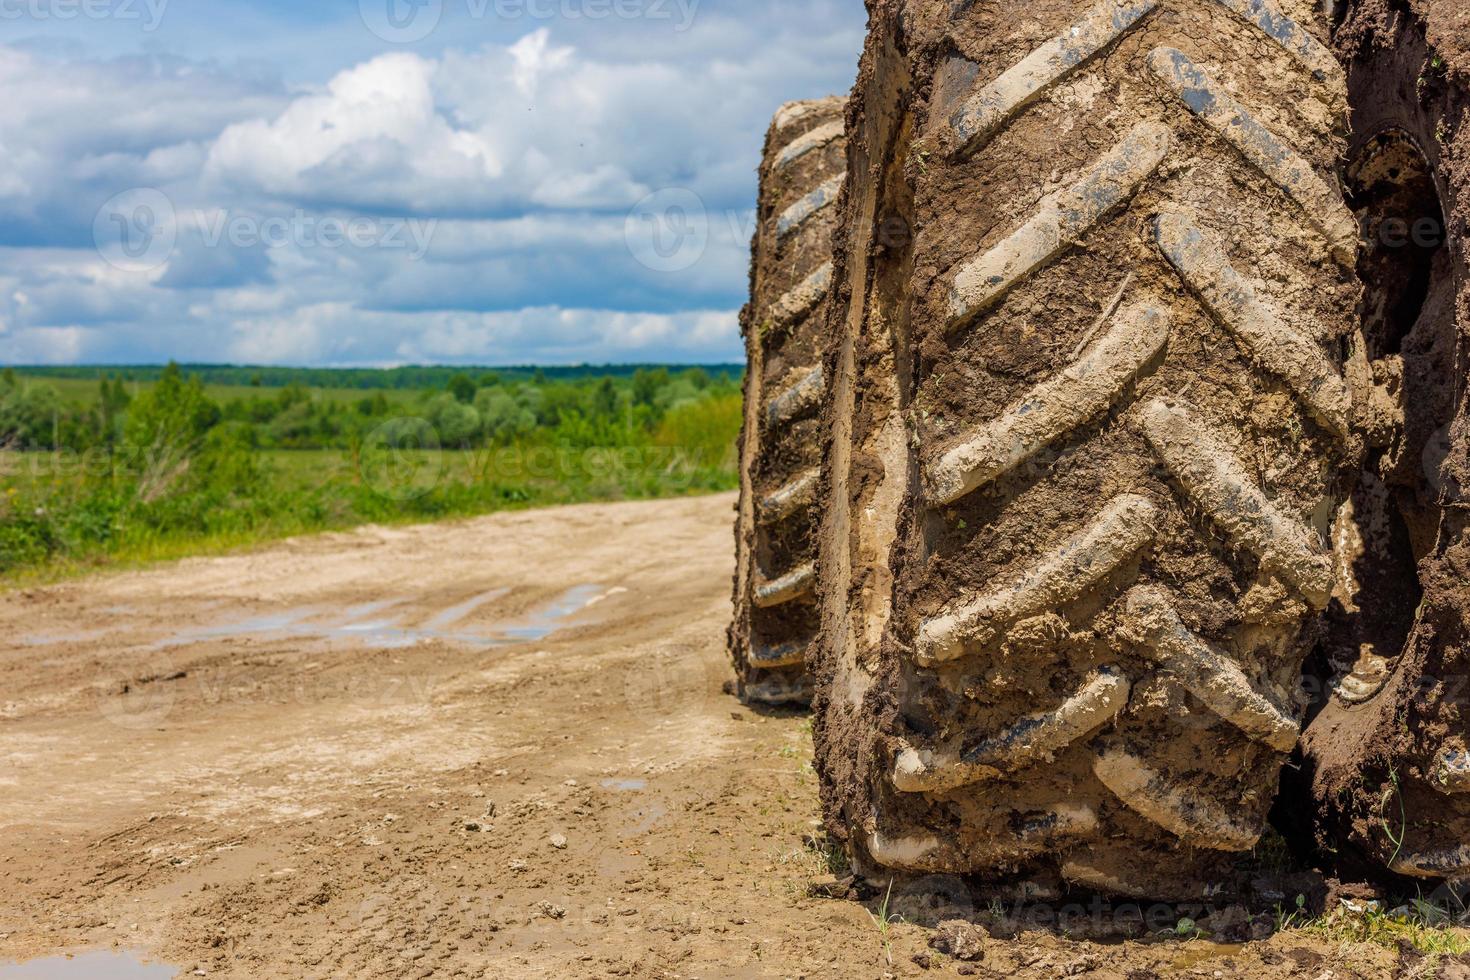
[[495, 748]]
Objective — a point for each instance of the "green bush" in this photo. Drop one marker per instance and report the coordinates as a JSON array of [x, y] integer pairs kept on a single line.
[[30, 415], [504, 418], [456, 423]]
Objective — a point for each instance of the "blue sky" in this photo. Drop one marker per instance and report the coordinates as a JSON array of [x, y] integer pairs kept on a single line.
[[391, 181]]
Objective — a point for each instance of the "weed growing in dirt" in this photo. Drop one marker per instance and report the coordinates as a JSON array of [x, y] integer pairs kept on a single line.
[[1187, 928], [884, 922], [1297, 918], [832, 855], [1424, 927], [1392, 793], [818, 857], [1433, 73]]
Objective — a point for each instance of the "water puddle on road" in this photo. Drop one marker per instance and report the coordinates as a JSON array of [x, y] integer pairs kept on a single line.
[[454, 614], [59, 639], [375, 625], [279, 624], [625, 785], [541, 623], [88, 966]]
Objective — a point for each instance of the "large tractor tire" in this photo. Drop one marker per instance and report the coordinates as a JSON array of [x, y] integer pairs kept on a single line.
[[1091, 423], [775, 622], [1386, 779]]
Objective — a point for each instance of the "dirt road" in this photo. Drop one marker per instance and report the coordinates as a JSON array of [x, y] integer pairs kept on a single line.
[[494, 748]]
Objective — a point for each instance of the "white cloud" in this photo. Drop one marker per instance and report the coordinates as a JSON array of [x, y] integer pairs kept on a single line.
[[569, 336], [73, 133], [526, 151], [377, 127], [505, 128], [336, 333], [48, 345], [534, 56]]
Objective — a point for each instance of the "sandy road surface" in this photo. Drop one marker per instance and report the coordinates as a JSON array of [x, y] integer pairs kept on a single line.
[[493, 748]]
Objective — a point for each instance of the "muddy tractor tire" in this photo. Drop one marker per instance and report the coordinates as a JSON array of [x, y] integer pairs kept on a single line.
[[802, 171], [1091, 422], [1385, 782]]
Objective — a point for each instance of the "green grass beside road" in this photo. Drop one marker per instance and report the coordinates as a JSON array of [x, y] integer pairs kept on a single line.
[[110, 470]]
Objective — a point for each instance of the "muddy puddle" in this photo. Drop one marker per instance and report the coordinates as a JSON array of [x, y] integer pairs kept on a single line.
[[380, 625], [541, 623], [88, 966], [60, 639], [625, 785], [1203, 954]]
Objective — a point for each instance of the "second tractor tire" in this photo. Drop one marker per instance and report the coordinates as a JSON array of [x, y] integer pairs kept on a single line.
[[1384, 786], [791, 265]]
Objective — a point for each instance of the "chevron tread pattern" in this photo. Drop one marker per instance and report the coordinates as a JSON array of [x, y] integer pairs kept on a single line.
[[1200, 488]]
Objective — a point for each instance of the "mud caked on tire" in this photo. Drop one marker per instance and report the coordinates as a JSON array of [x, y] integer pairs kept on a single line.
[[1091, 424], [1385, 785], [791, 267]]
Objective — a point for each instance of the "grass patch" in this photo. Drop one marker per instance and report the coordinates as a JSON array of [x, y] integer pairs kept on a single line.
[[1430, 926]]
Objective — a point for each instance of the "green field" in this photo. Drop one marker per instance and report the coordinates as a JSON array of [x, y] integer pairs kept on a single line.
[[79, 391], [105, 470]]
